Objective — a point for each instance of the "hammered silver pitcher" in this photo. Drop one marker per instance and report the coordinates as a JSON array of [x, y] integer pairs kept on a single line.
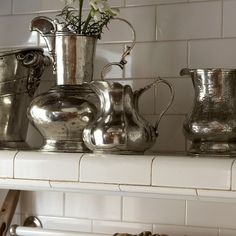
[[20, 72], [211, 125]]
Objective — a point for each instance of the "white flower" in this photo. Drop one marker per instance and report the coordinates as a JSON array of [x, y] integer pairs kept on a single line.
[[97, 16], [101, 6], [113, 11]]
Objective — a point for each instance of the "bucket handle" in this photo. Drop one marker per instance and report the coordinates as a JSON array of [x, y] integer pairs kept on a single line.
[[123, 60], [36, 62]]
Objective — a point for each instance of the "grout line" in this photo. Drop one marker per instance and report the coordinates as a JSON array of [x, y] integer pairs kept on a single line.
[[12, 7], [222, 19], [14, 161], [121, 207], [92, 225], [125, 5], [167, 40], [231, 174], [79, 167], [188, 54], [151, 172], [197, 192], [156, 25], [64, 205], [172, 3]]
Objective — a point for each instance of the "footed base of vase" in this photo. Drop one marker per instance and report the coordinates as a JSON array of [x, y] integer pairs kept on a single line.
[[213, 149], [13, 145], [64, 146], [118, 152]]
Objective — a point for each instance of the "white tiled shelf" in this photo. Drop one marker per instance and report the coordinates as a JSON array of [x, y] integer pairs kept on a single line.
[[145, 175]]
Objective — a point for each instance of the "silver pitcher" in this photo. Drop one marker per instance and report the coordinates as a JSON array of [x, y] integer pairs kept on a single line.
[[20, 72], [118, 127], [211, 125]]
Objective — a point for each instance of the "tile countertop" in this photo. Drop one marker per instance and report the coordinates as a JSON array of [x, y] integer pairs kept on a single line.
[[165, 176]]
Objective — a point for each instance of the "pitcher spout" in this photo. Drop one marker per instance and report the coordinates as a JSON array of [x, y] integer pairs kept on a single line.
[[47, 28], [185, 71]]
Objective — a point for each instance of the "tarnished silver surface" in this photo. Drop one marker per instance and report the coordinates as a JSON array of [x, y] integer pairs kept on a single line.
[[118, 127], [20, 71], [211, 125], [72, 54]]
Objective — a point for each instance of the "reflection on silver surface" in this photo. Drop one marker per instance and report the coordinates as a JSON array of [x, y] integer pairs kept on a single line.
[[118, 127], [211, 125], [20, 71], [61, 114]]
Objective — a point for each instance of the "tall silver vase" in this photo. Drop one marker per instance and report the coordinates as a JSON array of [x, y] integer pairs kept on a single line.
[[62, 113], [211, 125]]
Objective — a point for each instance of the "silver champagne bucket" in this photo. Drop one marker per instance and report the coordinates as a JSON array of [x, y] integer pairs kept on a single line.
[[20, 72], [211, 125]]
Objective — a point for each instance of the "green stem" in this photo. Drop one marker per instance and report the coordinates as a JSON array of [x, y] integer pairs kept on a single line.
[[87, 23], [81, 2]]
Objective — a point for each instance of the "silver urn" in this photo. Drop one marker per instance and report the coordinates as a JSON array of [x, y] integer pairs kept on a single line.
[[62, 113]]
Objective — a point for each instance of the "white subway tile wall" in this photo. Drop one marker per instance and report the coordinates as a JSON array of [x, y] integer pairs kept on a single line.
[[171, 34], [107, 214]]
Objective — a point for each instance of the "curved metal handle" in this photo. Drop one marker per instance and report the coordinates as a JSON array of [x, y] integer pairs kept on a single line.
[[159, 80], [47, 28], [36, 61], [123, 61]]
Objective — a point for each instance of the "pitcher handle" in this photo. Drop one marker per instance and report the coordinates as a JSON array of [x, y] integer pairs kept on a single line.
[[123, 60], [169, 85]]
